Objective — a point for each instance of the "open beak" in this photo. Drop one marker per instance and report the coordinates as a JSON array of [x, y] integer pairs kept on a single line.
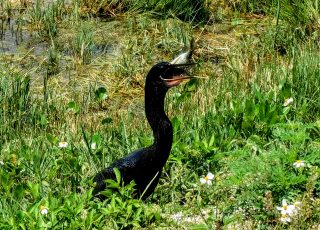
[[184, 65], [177, 74], [175, 80]]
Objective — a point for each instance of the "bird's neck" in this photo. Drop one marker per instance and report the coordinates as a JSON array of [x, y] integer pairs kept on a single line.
[[159, 122]]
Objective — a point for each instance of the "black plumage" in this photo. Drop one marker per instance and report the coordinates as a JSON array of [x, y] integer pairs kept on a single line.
[[144, 166]]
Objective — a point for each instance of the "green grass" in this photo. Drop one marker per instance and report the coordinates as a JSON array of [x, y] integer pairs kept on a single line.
[[194, 11], [80, 79]]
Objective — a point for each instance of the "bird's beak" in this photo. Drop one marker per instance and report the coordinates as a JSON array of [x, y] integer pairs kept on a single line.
[[176, 80], [184, 64], [178, 74]]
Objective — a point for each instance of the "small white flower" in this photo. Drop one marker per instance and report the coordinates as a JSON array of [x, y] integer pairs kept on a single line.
[[286, 209], [207, 179], [43, 210], [193, 219], [285, 218], [299, 163], [63, 144], [1, 163], [93, 145], [288, 101], [177, 217]]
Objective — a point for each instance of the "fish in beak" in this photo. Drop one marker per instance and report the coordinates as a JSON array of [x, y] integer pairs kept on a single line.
[[185, 57], [177, 74]]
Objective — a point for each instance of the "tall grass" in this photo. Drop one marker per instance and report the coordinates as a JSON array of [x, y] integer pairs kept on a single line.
[[193, 11], [84, 44], [16, 104]]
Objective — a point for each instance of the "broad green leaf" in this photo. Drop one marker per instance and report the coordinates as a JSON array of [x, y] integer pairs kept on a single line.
[[118, 174], [73, 107], [101, 93]]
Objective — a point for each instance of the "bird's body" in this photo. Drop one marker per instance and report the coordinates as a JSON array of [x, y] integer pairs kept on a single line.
[[144, 166], [137, 167]]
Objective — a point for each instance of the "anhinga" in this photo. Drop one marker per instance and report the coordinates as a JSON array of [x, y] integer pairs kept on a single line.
[[144, 166]]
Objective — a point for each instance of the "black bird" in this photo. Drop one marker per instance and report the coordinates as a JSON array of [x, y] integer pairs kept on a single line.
[[144, 166]]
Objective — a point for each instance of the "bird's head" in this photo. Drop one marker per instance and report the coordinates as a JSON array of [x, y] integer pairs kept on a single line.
[[166, 75]]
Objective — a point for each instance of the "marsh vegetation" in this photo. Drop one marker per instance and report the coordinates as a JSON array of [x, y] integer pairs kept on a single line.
[[71, 102]]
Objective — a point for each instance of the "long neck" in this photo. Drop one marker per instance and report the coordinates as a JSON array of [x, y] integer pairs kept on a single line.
[[158, 120]]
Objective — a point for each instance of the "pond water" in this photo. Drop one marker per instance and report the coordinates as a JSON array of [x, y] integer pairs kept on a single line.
[[11, 35], [12, 22]]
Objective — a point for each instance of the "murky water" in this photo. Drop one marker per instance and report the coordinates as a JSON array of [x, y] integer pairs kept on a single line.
[[43, 3], [11, 35]]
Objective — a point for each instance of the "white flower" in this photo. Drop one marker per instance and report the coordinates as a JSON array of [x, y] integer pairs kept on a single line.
[[207, 179], [177, 217], [93, 145], [193, 219], [1, 163], [288, 101], [285, 218], [287, 209], [299, 163], [63, 144], [43, 210]]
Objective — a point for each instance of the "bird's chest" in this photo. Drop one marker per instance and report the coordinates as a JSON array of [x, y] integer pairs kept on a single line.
[[147, 170], [154, 162]]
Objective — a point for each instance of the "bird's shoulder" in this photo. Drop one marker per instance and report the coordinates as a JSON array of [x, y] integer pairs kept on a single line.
[[130, 164], [133, 159]]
